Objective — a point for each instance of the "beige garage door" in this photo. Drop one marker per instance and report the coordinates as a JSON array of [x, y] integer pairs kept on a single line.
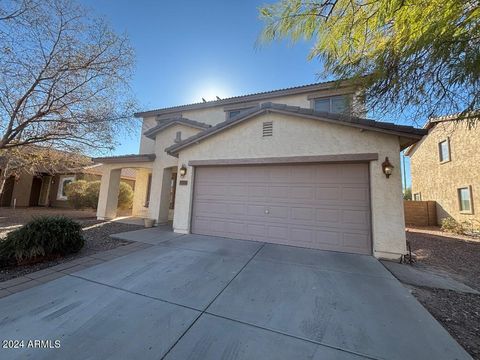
[[321, 206]]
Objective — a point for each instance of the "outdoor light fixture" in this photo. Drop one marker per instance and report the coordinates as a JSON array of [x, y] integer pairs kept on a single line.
[[387, 167], [183, 171]]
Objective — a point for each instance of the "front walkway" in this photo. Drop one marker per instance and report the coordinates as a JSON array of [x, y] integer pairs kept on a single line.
[[206, 297]]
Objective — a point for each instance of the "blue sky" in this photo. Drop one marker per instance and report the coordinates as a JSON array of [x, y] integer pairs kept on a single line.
[[187, 49]]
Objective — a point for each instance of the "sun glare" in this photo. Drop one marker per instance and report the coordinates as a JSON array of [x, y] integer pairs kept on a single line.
[[210, 91]]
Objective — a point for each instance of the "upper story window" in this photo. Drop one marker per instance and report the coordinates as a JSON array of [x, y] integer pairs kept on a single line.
[[233, 113], [417, 197], [333, 104], [465, 199], [444, 150]]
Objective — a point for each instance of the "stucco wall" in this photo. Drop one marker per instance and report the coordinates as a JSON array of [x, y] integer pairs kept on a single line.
[[440, 181], [160, 194], [217, 114], [299, 137], [22, 189]]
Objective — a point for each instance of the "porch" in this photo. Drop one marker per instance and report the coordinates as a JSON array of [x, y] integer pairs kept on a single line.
[[154, 193]]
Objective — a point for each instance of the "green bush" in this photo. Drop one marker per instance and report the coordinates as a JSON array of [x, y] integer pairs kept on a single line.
[[82, 194], [452, 226], [91, 194], [76, 193], [125, 196], [44, 237]]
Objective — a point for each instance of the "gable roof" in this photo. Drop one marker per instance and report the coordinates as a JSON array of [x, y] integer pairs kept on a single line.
[[164, 124], [250, 97], [433, 121], [339, 119]]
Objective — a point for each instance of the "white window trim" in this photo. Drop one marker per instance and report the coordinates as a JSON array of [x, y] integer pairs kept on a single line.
[[467, 212], [447, 141], [60, 195], [419, 196]]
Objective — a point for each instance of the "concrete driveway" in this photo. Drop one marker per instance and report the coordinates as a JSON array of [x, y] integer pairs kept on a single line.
[[199, 297]]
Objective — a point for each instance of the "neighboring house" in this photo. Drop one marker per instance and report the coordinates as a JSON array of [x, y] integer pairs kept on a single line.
[[298, 166], [48, 189], [445, 168]]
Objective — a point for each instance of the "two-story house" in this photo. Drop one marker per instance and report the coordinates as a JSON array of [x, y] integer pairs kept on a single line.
[[298, 166], [445, 168]]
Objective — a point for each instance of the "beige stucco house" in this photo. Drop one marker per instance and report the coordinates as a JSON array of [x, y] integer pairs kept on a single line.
[[444, 168], [298, 166], [47, 188]]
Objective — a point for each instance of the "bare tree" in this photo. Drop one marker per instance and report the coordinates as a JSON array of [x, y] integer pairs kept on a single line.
[[63, 78]]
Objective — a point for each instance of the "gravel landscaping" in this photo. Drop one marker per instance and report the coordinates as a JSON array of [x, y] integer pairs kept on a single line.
[[459, 313], [96, 232]]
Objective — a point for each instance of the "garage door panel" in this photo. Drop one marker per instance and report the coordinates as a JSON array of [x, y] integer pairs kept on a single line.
[[315, 206], [327, 193], [353, 195]]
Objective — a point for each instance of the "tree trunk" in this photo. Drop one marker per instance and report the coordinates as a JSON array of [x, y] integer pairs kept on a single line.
[[4, 174]]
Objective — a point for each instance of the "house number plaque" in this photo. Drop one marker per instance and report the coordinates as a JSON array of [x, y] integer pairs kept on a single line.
[[183, 182]]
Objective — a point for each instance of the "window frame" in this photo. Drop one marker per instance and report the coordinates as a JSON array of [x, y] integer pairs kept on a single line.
[[61, 186], [470, 200], [419, 196], [330, 98], [447, 142], [240, 108]]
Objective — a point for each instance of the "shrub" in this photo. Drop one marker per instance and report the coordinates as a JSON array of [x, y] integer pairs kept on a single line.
[[83, 194], [91, 194], [452, 226], [44, 237], [125, 196], [76, 191]]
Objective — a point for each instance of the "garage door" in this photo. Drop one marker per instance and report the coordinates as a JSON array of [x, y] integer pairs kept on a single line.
[[321, 206]]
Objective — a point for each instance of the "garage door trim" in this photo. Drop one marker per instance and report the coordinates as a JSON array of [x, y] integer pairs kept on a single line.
[[325, 159]]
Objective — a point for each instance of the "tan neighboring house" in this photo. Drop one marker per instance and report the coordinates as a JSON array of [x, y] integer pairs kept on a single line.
[[300, 166], [445, 168], [48, 189]]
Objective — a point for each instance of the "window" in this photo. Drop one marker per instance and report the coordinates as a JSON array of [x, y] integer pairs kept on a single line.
[[234, 112], [444, 151], [334, 104], [64, 181], [465, 199], [417, 196]]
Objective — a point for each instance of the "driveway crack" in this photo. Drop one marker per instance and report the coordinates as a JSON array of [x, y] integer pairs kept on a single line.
[[211, 302]]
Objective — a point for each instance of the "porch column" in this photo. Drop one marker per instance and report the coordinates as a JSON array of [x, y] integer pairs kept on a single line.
[[140, 193], [108, 197], [165, 196], [160, 194]]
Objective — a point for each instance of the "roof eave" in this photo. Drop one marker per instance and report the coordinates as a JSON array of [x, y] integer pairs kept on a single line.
[[175, 149], [250, 97]]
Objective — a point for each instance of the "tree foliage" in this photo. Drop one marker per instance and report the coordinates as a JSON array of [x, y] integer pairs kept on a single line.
[[420, 55], [63, 77]]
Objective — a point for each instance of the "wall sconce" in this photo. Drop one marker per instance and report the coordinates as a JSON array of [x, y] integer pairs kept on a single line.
[[387, 167], [183, 171]]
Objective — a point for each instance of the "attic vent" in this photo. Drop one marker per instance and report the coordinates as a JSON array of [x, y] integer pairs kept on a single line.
[[267, 128]]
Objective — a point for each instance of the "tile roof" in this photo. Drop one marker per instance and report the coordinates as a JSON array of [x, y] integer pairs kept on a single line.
[[249, 97], [166, 123], [125, 158], [400, 130]]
